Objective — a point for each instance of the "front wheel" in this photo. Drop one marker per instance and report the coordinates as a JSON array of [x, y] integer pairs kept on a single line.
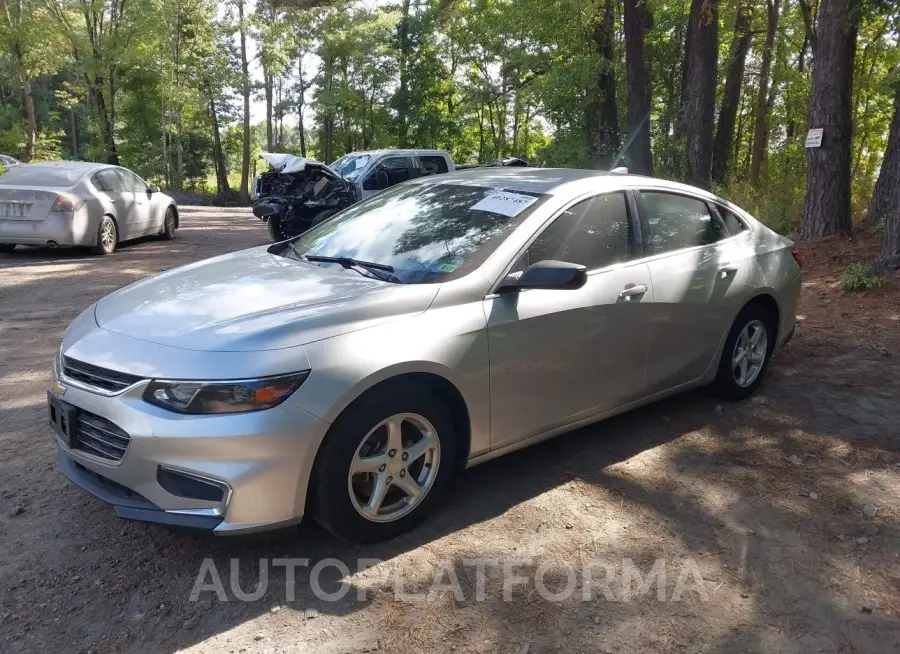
[[107, 237], [279, 229], [384, 463], [745, 358]]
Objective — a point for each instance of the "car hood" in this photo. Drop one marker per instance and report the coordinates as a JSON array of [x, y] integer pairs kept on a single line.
[[254, 300]]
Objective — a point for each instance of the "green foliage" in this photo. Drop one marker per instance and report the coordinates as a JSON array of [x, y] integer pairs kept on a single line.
[[483, 79], [860, 277]]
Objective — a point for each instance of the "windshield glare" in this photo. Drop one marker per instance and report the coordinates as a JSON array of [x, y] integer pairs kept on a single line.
[[427, 232], [351, 165]]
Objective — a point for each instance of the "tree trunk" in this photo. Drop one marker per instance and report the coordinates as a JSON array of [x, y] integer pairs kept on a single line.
[[74, 133], [760, 128], [636, 19], [244, 192], [700, 91], [106, 125], [884, 208], [801, 68], [301, 103], [827, 211], [329, 110], [731, 95], [222, 186], [602, 120], [403, 90], [27, 100], [267, 84]]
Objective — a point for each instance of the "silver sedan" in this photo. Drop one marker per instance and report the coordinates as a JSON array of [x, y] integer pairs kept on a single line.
[[66, 203], [351, 371]]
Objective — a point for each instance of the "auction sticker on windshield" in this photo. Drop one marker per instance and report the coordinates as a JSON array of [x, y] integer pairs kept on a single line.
[[504, 203]]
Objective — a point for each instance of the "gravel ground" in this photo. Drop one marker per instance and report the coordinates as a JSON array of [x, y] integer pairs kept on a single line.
[[786, 506]]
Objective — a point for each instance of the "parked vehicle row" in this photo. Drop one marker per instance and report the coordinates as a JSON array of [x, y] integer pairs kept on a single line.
[[350, 372], [76, 203]]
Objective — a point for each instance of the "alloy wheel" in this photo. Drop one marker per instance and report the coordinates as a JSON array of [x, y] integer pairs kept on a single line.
[[749, 353], [107, 234], [394, 467]]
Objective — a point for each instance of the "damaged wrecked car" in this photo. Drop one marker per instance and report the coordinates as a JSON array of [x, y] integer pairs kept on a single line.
[[296, 194]]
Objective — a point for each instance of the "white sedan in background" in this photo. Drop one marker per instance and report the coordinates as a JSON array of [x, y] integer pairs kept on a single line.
[[76, 203]]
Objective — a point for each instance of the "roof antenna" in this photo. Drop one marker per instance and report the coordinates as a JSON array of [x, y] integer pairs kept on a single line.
[[622, 170]]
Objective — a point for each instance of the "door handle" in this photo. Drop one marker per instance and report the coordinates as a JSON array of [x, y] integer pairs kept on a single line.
[[632, 290], [727, 268]]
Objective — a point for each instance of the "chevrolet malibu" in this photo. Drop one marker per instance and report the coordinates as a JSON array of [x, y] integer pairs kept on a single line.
[[350, 372]]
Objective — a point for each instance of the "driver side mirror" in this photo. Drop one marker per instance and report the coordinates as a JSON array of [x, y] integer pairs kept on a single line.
[[152, 188], [550, 275]]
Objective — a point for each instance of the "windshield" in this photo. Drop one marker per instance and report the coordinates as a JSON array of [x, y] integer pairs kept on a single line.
[[426, 232], [351, 165], [42, 176]]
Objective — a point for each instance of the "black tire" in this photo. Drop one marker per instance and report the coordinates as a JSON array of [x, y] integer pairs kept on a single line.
[[5, 248], [726, 385], [169, 225], [109, 246], [330, 496], [275, 229]]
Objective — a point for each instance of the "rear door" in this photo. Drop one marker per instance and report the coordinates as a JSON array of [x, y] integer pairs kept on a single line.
[[699, 275], [557, 356]]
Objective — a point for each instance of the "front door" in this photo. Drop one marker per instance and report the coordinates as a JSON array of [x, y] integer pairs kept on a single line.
[[139, 220], [557, 356], [112, 186]]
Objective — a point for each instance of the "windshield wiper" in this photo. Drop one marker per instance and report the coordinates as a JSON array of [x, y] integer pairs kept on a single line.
[[354, 264]]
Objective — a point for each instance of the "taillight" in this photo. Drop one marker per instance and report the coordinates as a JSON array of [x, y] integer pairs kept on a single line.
[[67, 203], [797, 256]]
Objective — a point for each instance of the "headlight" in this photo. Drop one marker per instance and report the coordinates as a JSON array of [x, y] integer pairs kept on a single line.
[[200, 397]]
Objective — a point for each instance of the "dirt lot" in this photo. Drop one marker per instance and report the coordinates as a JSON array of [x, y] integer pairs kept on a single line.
[[787, 505]]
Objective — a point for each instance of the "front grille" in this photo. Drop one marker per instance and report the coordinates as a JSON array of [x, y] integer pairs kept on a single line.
[[100, 437], [103, 379]]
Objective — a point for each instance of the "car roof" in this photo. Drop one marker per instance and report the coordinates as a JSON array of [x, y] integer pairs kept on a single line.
[[399, 151], [557, 180], [83, 166]]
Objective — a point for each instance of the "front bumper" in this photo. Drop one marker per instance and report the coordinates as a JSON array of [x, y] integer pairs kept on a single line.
[[261, 459], [61, 228]]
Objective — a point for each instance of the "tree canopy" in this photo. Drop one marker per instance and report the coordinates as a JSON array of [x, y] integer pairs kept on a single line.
[[714, 92]]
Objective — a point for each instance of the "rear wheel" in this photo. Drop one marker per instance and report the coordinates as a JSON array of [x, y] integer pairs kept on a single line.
[[384, 463], [7, 247], [169, 225], [107, 236], [745, 358]]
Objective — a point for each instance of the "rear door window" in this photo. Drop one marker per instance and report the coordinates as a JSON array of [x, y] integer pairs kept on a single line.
[[433, 164], [677, 222], [107, 180]]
